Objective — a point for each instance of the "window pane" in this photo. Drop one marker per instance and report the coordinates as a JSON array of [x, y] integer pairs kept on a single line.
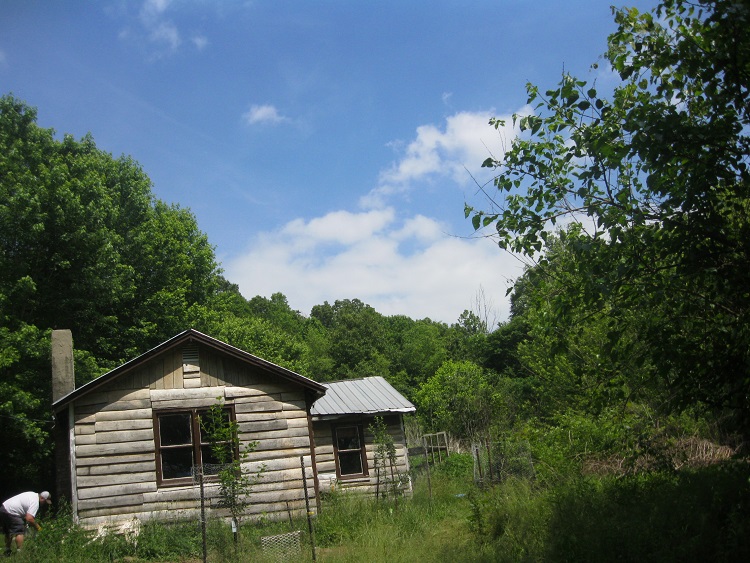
[[176, 462], [350, 463], [207, 453], [205, 418], [347, 438], [174, 429]]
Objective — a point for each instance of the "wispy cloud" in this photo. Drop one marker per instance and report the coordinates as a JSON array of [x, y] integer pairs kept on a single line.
[[153, 29], [166, 34], [454, 152], [263, 114], [399, 266], [398, 263], [200, 41], [152, 10]]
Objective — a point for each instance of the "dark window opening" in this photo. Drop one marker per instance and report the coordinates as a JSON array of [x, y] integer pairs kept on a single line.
[[181, 444], [351, 458]]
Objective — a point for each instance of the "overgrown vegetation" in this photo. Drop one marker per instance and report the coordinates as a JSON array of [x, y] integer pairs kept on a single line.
[[228, 455], [695, 515], [623, 369]]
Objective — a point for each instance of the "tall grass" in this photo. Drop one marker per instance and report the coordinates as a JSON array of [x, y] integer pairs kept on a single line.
[[696, 515], [350, 527], [425, 528]]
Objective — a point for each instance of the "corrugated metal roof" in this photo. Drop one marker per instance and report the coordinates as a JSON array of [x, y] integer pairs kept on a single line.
[[370, 395]]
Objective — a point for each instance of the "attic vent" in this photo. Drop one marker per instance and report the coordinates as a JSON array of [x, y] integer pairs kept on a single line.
[[190, 363]]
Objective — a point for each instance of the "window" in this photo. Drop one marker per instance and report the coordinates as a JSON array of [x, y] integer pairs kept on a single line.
[[180, 444], [349, 446]]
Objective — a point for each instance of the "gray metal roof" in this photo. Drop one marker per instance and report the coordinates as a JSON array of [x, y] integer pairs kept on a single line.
[[370, 395]]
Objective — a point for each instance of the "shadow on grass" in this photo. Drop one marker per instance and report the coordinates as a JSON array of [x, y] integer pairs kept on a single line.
[[696, 515]]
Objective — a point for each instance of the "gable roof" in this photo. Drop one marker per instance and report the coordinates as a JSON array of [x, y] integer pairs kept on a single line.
[[370, 395], [188, 337]]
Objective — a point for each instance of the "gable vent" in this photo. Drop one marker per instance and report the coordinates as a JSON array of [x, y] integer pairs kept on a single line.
[[190, 363]]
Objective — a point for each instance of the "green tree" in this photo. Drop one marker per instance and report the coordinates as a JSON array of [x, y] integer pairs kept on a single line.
[[84, 245], [277, 311], [253, 334], [419, 350], [458, 399], [660, 170], [357, 337], [501, 348], [24, 408]]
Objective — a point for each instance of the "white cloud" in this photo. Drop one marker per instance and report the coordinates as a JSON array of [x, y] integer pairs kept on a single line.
[[397, 266], [152, 29], [152, 10], [263, 114], [165, 33], [199, 41], [455, 152], [461, 144]]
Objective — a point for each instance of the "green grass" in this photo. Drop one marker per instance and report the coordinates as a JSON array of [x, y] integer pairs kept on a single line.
[[697, 515], [352, 528]]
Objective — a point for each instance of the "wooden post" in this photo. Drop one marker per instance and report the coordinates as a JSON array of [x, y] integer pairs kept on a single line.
[[377, 479], [429, 481], [477, 461], [393, 484], [307, 506], [489, 460], [203, 514]]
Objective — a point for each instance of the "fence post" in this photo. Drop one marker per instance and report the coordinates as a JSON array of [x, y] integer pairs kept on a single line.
[[477, 453], [489, 460], [427, 463], [307, 506], [203, 514]]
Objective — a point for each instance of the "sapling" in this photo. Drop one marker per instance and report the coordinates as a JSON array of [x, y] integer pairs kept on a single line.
[[235, 486]]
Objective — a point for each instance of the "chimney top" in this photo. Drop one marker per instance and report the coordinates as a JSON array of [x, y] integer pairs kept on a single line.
[[63, 376]]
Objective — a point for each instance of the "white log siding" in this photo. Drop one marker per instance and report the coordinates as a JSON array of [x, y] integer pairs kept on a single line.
[[325, 455], [115, 458]]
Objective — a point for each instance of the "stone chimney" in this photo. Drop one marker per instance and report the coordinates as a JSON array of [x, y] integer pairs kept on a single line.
[[63, 376], [63, 382]]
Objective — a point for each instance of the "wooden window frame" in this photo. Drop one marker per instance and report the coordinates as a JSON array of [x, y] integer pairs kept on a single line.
[[195, 431], [362, 450]]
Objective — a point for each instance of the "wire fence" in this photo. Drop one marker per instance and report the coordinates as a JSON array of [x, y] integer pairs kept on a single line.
[[282, 547]]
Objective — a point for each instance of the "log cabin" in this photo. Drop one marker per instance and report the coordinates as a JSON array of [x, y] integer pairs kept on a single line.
[[128, 441]]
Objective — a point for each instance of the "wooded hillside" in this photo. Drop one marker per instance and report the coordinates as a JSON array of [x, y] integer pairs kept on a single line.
[[629, 339]]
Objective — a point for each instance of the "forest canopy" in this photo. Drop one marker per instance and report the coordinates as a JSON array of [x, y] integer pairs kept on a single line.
[[652, 277]]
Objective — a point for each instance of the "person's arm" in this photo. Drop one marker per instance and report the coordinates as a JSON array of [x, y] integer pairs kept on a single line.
[[30, 519]]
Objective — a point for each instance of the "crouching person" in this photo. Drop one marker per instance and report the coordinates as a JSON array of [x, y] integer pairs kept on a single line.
[[16, 512]]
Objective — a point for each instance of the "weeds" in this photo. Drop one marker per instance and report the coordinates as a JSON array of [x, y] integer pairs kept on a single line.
[[697, 515]]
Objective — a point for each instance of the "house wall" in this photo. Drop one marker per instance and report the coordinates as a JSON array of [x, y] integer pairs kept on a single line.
[[326, 462], [115, 463]]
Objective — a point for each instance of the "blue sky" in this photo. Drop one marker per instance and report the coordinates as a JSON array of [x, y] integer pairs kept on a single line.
[[326, 147]]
